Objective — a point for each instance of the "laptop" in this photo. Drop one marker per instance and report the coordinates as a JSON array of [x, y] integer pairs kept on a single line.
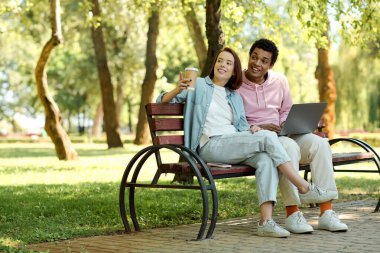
[[303, 118]]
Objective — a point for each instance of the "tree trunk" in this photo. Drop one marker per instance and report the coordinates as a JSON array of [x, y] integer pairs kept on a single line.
[[119, 98], [98, 119], [111, 124], [129, 103], [118, 42], [195, 33], [69, 121], [214, 33], [142, 131], [215, 38], [53, 117], [327, 92]]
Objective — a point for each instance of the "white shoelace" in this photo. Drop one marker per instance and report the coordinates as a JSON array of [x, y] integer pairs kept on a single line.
[[272, 223], [334, 216], [319, 190], [300, 218]]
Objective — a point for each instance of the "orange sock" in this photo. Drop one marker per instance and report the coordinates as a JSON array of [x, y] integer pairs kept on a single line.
[[291, 209], [325, 206]]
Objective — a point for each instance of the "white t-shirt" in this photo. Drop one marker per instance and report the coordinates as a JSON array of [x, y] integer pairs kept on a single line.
[[219, 119]]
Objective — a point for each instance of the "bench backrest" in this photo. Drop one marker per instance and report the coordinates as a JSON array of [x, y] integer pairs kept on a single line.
[[166, 127], [165, 123]]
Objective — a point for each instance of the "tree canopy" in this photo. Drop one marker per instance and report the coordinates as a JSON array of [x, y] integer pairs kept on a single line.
[[293, 24]]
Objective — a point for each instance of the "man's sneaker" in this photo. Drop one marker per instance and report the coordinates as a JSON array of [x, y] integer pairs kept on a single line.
[[330, 221], [271, 229], [297, 224], [317, 195]]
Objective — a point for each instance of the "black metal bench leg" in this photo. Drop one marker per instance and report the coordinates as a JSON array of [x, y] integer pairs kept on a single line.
[[214, 216], [123, 212], [377, 207], [123, 187], [132, 207], [205, 212], [306, 174]]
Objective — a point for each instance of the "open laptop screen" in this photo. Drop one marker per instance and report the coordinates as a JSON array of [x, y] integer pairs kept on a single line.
[[303, 118]]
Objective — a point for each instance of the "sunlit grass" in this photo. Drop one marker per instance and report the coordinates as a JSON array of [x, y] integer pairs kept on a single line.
[[44, 199], [39, 164]]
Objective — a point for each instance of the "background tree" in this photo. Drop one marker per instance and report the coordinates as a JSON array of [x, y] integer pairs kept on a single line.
[[327, 91], [62, 143], [358, 106], [111, 124], [195, 31], [214, 33], [357, 20], [142, 132], [73, 79]]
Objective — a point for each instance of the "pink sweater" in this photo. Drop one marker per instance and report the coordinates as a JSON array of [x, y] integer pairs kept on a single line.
[[267, 103]]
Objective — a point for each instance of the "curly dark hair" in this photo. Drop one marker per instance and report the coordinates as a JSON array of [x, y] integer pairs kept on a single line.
[[268, 46], [236, 79]]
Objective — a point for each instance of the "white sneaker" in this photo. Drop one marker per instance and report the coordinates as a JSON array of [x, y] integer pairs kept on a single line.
[[297, 224], [271, 229], [330, 221], [317, 195]]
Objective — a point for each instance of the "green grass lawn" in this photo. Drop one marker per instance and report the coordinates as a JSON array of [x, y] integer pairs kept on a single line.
[[44, 199]]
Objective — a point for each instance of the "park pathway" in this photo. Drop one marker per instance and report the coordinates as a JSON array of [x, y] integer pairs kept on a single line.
[[239, 235]]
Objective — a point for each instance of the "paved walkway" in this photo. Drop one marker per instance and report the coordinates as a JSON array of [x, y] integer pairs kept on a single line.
[[239, 235]]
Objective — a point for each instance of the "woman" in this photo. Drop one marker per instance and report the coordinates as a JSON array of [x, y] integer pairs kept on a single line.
[[216, 127]]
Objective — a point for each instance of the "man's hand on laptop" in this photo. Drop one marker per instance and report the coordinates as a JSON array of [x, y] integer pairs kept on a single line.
[[271, 127]]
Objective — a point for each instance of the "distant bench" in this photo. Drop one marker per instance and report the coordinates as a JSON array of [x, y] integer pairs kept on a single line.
[[165, 118]]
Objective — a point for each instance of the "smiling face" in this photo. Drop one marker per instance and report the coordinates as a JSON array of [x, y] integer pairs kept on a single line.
[[258, 65], [223, 68]]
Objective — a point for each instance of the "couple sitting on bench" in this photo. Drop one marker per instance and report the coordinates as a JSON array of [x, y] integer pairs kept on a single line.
[[223, 126]]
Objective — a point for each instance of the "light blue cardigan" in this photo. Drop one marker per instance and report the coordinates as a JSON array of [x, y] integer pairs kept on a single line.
[[197, 103]]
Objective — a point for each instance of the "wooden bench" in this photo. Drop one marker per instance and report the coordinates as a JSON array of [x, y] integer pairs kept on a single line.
[[165, 118]]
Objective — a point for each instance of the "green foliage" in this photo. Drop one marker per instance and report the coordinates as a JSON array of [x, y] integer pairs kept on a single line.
[[17, 76], [358, 21], [297, 62], [72, 76], [171, 62], [358, 103], [314, 18], [16, 6], [245, 21]]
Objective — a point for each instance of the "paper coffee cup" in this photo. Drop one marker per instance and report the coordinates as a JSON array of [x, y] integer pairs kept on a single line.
[[191, 73]]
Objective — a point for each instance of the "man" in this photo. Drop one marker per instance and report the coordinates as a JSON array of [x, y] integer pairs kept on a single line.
[[267, 102]]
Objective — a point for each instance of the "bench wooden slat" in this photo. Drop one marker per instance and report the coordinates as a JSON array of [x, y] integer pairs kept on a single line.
[[168, 139], [238, 170], [184, 168], [164, 109], [167, 124], [353, 156]]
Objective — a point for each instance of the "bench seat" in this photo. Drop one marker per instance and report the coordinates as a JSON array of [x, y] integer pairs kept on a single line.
[[243, 170]]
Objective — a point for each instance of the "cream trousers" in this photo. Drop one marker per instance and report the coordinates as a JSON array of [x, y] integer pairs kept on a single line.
[[261, 150], [307, 148]]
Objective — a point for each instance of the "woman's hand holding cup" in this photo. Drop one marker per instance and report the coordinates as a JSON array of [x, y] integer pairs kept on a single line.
[[183, 83], [191, 73]]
